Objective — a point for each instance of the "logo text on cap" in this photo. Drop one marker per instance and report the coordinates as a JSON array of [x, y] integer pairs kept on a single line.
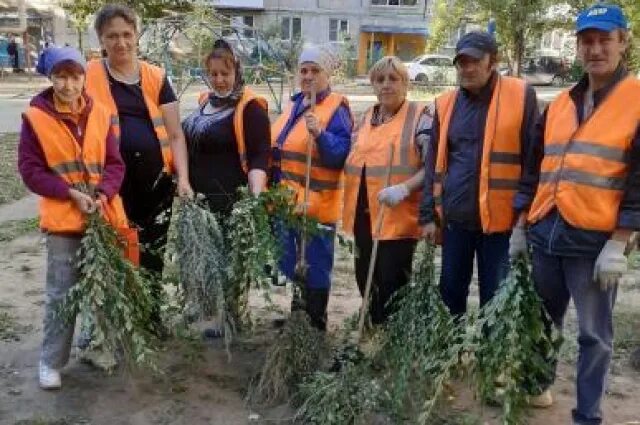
[[598, 11]]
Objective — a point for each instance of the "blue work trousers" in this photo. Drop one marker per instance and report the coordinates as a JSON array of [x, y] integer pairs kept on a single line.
[[559, 279], [459, 246], [319, 255]]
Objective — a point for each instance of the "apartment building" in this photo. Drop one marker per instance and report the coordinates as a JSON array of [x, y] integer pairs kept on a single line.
[[376, 27]]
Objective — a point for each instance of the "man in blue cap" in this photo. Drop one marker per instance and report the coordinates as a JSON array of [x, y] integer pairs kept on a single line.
[[581, 198], [473, 168]]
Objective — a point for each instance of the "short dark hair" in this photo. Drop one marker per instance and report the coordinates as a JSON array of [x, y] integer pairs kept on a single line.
[[111, 11], [69, 67]]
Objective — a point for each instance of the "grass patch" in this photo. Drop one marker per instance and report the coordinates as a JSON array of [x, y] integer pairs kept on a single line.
[[9, 328], [13, 229], [11, 187], [626, 322]]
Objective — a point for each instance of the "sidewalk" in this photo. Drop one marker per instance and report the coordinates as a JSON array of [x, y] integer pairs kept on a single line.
[[22, 84], [21, 209]]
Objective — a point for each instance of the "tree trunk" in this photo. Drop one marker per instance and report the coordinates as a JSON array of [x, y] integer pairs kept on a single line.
[[79, 32], [518, 47]]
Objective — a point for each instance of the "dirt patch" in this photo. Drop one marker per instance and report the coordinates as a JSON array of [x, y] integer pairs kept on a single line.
[[201, 386]]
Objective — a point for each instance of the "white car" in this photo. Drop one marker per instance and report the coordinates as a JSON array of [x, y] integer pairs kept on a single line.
[[432, 69]]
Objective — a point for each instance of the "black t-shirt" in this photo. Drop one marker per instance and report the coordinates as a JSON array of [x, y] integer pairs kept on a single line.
[[144, 188], [214, 165], [136, 128]]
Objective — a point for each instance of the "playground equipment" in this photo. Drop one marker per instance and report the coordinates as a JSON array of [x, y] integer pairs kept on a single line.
[[179, 43]]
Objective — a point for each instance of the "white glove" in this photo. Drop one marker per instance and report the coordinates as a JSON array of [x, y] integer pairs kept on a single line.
[[610, 264], [393, 195], [518, 242]]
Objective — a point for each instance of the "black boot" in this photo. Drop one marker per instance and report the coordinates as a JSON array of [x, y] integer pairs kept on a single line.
[[316, 307]]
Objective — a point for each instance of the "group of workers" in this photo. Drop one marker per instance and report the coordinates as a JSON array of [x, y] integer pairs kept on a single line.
[[479, 171]]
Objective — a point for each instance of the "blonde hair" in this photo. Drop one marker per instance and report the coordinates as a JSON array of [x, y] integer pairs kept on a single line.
[[388, 63]]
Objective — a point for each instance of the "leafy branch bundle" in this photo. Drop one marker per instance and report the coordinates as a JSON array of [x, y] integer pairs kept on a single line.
[[112, 289], [420, 350], [294, 355], [511, 344], [200, 251], [347, 396], [423, 344], [253, 244]]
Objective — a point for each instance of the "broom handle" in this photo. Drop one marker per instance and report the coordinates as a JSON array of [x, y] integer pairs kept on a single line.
[[374, 250], [307, 184]]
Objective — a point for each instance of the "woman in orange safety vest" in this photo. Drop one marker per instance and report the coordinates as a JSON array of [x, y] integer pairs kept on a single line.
[[69, 156], [147, 123], [396, 125]]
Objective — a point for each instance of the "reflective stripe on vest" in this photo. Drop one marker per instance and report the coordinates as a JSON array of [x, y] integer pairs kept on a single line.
[[238, 120], [325, 183], [500, 167], [370, 152], [151, 80], [81, 167], [584, 168]]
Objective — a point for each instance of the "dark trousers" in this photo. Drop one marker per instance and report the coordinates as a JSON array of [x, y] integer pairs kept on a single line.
[[147, 196], [559, 279], [392, 269], [459, 246]]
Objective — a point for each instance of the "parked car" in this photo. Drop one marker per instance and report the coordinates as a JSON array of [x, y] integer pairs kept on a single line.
[[545, 70], [432, 69]]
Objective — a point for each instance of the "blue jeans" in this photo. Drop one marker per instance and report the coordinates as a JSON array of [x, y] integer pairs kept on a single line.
[[62, 274], [319, 255], [459, 246], [559, 279]]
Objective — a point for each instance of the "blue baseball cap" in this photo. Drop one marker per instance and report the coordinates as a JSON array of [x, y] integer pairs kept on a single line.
[[476, 44], [603, 17], [52, 56]]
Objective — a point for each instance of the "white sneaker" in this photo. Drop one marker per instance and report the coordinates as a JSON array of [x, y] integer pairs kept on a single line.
[[49, 377]]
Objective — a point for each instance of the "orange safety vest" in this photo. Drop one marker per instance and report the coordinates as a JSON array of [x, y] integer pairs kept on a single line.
[[371, 153], [325, 185], [76, 165], [584, 168], [151, 80], [500, 167], [238, 120]]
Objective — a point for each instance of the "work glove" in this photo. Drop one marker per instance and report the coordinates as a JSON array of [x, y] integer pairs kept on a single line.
[[518, 242], [610, 264], [393, 195]]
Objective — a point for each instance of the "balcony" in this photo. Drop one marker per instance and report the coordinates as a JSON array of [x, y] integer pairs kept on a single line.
[[238, 4]]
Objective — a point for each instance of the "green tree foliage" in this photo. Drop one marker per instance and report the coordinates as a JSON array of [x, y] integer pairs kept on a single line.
[[80, 11], [518, 22]]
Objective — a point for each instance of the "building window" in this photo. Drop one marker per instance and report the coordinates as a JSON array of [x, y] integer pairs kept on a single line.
[[248, 26], [240, 25], [338, 28], [291, 28], [394, 2], [429, 7]]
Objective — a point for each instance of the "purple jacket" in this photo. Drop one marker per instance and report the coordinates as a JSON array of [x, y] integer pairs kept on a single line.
[[35, 172]]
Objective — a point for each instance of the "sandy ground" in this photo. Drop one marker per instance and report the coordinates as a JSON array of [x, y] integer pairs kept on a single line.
[[200, 385]]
